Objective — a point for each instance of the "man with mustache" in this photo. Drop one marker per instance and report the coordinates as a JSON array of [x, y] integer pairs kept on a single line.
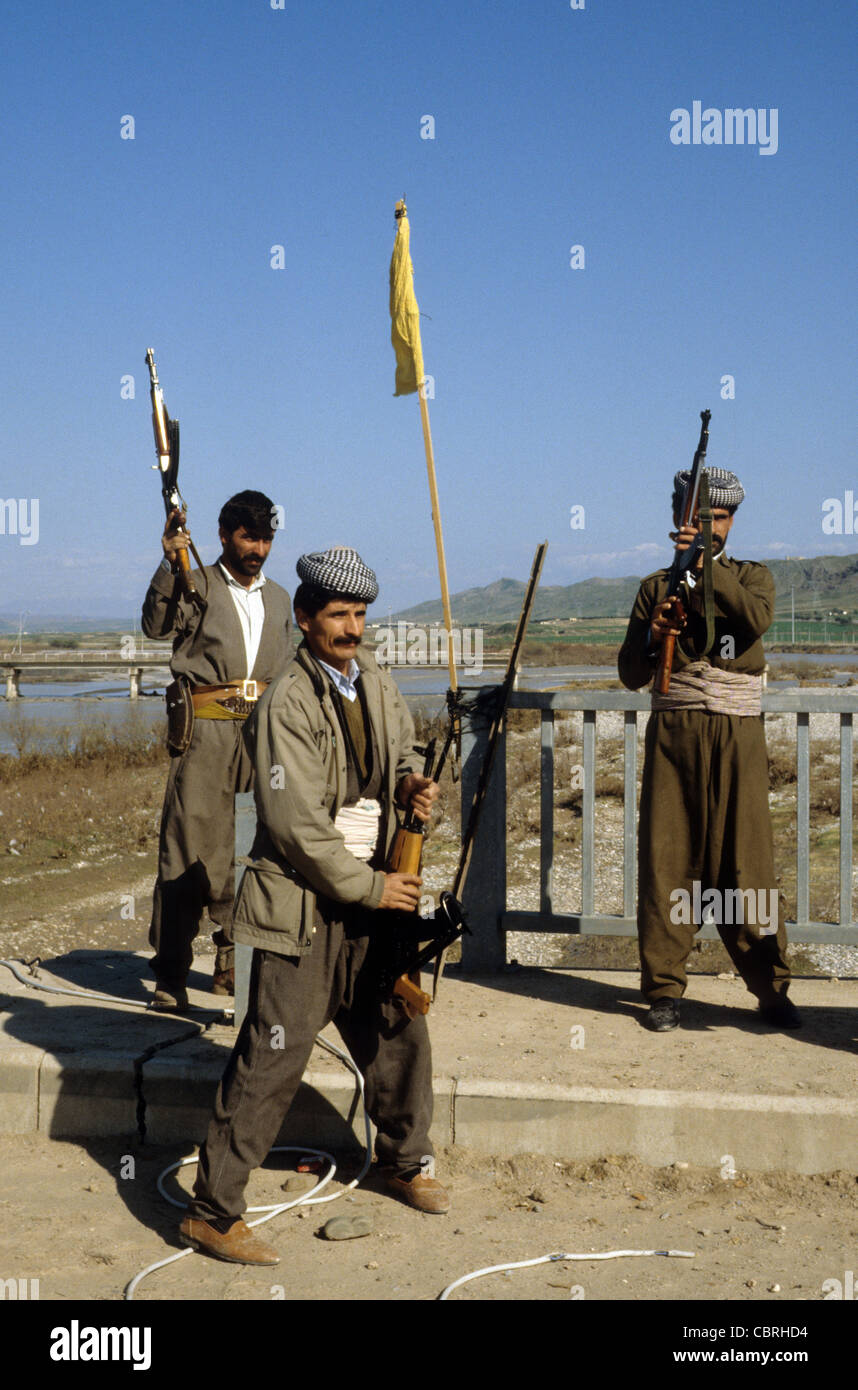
[[225, 650], [333, 749], [704, 813]]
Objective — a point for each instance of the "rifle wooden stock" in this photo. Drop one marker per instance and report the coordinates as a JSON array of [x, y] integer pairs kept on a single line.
[[184, 566], [406, 857], [668, 648], [166, 432], [406, 852], [414, 1000]]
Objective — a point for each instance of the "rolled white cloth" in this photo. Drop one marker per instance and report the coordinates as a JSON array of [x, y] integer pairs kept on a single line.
[[358, 825], [704, 687]]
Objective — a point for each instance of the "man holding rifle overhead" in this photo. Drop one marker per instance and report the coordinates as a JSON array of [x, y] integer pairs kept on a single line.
[[231, 635], [705, 850]]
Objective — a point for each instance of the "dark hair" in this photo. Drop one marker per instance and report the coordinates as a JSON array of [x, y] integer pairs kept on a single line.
[[310, 599], [253, 510]]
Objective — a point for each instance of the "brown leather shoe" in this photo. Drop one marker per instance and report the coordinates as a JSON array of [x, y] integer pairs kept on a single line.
[[426, 1194], [224, 971], [168, 998], [240, 1245]]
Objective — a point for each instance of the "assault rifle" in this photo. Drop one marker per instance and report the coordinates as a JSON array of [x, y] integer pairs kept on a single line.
[[167, 450], [407, 954], [684, 561]]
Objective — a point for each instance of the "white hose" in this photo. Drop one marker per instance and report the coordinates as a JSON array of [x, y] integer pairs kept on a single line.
[[306, 1198], [91, 994], [557, 1258]]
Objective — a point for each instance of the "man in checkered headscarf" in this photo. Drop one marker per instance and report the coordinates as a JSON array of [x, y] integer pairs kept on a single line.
[[333, 749], [705, 849]]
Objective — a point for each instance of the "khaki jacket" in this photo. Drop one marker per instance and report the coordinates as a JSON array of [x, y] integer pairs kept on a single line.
[[208, 647], [744, 594], [298, 750]]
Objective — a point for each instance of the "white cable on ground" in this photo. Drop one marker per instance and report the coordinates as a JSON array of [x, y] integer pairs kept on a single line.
[[557, 1258], [92, 994], [306, 1198]]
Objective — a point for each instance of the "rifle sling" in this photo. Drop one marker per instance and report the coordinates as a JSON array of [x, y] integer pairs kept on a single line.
[[708, 589]]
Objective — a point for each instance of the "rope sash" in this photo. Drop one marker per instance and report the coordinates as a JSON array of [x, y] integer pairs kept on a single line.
[[699, 686]]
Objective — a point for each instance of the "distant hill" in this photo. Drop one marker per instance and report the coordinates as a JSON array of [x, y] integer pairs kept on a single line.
[[821, 582], [501, 602], [63, 622]]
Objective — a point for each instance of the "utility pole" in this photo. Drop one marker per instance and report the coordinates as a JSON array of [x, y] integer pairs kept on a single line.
[[792, 591]]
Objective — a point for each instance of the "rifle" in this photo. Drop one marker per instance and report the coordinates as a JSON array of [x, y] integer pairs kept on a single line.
[[408, 952], [685, 560], [167, 450], [495, 729]]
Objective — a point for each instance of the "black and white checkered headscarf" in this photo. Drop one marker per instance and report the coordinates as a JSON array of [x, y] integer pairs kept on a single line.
[[725, 490], [339, 570]]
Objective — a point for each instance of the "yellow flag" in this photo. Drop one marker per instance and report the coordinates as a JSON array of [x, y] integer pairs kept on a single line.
[[404, 313]]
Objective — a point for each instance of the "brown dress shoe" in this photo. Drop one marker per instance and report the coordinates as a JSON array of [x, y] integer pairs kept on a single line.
[[240, 1245], [169, 998], [224, 971], [426, 1194]]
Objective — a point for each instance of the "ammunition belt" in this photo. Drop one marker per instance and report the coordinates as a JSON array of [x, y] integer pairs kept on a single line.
[[234, 700]]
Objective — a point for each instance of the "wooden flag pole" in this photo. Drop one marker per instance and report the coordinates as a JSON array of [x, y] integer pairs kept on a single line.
[[439, 539]]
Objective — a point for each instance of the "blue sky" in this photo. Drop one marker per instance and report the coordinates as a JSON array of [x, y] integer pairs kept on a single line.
[[256, 127]]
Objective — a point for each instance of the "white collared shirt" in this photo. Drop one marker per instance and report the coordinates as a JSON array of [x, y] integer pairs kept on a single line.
[[251, 613], [345, 684]]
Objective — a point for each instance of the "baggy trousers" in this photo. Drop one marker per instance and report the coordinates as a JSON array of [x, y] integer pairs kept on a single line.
[[300, 995], [704, 819], [197, 845]]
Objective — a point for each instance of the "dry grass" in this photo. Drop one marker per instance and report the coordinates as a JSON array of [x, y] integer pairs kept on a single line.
[[805, 672], [92, 796], [95, 795], [537, 653], [101, 747]]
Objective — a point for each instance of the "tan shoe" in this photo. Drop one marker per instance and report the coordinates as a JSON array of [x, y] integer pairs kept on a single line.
[[240, 1245], [224, 971], [426, 1194], [169, 999]]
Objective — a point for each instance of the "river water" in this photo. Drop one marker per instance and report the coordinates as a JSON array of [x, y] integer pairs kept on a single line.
[[54, 711]]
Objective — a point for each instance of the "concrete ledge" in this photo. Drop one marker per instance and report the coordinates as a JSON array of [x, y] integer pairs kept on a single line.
[[326, 1111], [800, 1134], [87, 1093], [19, 1088], [552, 1062], [96, 1095]]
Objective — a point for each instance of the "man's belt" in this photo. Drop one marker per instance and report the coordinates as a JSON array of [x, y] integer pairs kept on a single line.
[[232, 701]]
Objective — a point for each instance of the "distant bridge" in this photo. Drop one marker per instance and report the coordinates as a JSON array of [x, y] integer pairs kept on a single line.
[[90, 663]]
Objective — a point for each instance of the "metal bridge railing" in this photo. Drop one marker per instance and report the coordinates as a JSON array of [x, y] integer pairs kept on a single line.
[[485, 896]]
